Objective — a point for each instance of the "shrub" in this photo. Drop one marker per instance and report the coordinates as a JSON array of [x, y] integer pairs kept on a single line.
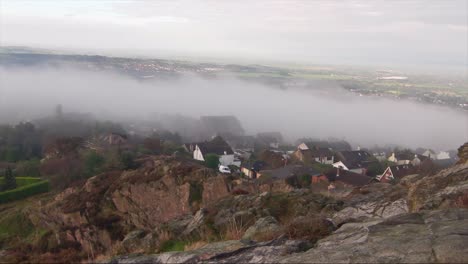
[[9, 180], [196, 192], [235, 230], [462, 201], [309, 228], [172, 245], [29, 167], [238, 191], [93, 163], [24, 191], [22, 181], [212, 161]]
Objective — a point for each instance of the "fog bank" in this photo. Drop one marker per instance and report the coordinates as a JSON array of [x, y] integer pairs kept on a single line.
[[322, 111]]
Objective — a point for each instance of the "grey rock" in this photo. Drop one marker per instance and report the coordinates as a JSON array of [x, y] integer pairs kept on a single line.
[[265, 225], [405, 238]]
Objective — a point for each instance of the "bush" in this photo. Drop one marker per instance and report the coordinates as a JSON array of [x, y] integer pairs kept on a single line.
[[24, 191], [309, 228], [29, 167], [9, 182], [93, 163], [172, 245], [22, 181], [212, 161]]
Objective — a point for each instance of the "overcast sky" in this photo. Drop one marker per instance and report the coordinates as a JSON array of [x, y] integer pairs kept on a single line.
[[406, 32]]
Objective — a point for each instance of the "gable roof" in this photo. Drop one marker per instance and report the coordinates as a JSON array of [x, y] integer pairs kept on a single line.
[[216, 146], [405, 155], [334, 145], [349, 177], [254, 165], [400, 171], [355, 159], [291, 170], [397, 171], [320, 152]]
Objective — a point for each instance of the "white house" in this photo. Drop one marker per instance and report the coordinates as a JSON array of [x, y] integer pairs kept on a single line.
[[310, 152], [430, 154], [219, 147], [443, 155]]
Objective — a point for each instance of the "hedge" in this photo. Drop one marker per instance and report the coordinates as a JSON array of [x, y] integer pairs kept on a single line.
[[23, 181], [25, 191]]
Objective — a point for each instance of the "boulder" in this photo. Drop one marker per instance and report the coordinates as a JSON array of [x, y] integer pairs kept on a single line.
[[266, 227]]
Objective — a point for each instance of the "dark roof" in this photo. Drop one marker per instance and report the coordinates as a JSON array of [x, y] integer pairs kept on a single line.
[[408, 156], [334, 145], [254, 165], [291, 170], [349, 177], [240, 142], [320, 152], [400, 171], [216, 146], [355, 159]]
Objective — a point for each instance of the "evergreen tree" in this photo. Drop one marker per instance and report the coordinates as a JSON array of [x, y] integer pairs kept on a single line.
[[10, 181]]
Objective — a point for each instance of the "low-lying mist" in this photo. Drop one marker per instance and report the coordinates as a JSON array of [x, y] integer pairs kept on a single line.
[[322, 111]]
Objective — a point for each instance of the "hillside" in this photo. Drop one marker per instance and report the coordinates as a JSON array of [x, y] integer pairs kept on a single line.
[[170, 204]]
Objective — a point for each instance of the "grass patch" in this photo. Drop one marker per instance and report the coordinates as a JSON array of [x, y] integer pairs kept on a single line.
[[14, 224], [172, 245]]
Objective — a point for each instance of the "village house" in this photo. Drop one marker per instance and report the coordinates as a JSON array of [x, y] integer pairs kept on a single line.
[[216, 146], [250, 169], [402, 158], [429, 154], [307, 151], [396, 172], [293, 170], [334, 145], [443, 155], [347, 178], [356, 161]]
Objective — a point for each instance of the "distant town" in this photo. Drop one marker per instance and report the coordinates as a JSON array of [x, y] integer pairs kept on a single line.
[[451, 92]]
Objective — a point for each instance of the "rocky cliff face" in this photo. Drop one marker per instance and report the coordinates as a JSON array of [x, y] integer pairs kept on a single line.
[[463, 154], [420, 220], [168, 201]]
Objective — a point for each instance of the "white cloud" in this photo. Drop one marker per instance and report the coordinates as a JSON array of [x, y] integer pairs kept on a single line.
[[292, 30]]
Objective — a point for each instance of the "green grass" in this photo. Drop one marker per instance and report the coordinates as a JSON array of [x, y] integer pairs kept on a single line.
[[15, 224], [172, 245]]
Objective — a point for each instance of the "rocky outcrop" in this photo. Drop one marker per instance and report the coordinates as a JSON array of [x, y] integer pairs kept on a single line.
[[442, 190], [265, 226], [170, 200], [430, 237], [223, 252], [463, 154], [108, 208], [380, 200]]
